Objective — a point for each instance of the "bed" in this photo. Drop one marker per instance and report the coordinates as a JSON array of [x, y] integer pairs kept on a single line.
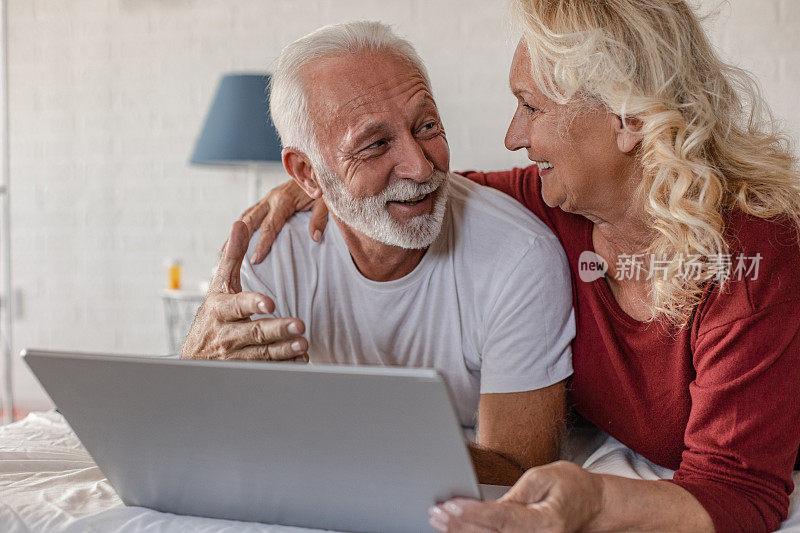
[[48, 482]]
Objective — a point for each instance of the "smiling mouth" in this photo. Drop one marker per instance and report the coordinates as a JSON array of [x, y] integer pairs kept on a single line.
[[544, 165], [411, 201]]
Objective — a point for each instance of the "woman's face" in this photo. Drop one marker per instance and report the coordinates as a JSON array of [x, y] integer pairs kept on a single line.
[[584, 155]]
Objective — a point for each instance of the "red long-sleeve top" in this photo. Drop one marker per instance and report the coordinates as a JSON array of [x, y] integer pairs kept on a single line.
[[719, 400]]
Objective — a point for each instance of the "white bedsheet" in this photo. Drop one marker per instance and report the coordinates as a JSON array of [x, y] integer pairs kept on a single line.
[[49, 483]]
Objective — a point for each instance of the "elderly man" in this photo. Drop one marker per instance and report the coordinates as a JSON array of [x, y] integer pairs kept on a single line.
[[421, 268]]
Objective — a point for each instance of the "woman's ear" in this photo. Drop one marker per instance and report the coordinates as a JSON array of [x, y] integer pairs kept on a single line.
[[300, 169], [629, 134]]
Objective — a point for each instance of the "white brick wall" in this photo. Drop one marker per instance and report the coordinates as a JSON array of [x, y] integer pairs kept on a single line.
[[107, 97]]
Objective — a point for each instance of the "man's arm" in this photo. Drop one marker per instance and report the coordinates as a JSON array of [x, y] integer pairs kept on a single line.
[[517, 431], [525, 358]]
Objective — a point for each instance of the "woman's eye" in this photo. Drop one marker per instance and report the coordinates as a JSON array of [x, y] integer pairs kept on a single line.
[[529, 109], [428, 126]]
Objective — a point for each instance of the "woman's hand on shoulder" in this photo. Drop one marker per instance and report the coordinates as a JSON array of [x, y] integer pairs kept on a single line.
[[557, 497], [272, 212]]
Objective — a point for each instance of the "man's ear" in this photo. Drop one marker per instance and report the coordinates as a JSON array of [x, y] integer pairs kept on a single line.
[[299, 168], [628, 134]]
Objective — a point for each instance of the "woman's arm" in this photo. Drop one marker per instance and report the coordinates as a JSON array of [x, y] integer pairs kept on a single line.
[[564, 497], [742, 436], [512, 182], [272, 212], [639, 505], [741, 441]]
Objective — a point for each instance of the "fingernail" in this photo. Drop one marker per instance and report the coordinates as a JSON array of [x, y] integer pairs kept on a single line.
[[453, 508], [256, 258], [438, 525], [293, 329], [297, 346], [262, 306], [317, 235], [437, 513]]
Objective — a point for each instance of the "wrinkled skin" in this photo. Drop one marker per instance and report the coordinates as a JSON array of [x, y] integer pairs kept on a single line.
[[222, 328], [542, 500]]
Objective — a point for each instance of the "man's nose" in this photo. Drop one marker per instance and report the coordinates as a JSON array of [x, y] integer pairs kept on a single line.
[[413, 163]]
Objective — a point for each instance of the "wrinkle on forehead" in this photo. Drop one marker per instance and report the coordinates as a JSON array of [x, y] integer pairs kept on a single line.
[[520, 76], [399, 85], [347, 92]]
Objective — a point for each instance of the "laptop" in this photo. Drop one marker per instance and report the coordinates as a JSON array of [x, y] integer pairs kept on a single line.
[[330, 447]]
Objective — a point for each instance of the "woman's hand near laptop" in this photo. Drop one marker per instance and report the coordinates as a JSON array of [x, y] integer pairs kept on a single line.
[[562, 496], [559, 496], [272, 212], [222, 328]]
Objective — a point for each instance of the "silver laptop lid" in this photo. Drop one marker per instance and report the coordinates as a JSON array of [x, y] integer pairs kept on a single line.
[[333, 447]]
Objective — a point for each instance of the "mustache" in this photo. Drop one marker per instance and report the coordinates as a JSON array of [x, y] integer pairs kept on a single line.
[[406, 189]]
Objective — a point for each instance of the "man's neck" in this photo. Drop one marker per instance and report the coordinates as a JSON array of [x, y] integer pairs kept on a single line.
[[375, 260]]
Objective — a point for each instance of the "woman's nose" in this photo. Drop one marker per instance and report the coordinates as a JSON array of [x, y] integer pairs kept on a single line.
[[516, 135]]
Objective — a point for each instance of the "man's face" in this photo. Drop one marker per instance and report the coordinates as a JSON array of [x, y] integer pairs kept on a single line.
[[383, 146]]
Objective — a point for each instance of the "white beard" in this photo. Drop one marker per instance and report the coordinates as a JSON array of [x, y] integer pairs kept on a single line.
[[370, 216]]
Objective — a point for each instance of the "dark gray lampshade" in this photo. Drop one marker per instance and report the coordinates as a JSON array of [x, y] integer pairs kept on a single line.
[[238, 129]]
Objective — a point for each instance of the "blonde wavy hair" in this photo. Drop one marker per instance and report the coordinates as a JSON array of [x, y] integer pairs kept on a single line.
[[710, 144]]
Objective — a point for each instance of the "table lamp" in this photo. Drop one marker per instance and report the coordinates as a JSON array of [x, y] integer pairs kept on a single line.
[[238, 130]]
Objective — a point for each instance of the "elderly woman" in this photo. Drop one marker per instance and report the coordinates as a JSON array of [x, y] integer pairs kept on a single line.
[[658, 157]]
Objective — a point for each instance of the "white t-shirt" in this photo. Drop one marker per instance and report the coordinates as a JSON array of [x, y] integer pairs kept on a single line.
[[489, 305]]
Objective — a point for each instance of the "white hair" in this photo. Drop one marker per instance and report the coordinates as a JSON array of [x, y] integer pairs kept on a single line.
[[288, 101], [370, 216]]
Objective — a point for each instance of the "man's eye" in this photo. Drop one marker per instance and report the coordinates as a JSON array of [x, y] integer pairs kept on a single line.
[[428, 126], [376, 144]]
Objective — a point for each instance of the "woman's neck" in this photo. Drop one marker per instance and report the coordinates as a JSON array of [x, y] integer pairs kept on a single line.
[[630, 237], [617, 239]]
